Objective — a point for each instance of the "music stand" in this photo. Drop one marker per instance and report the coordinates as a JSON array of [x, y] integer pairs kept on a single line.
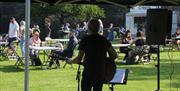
[[120, 77]]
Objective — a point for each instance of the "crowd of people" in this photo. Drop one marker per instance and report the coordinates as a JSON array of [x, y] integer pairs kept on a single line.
[[90, 37], [134, 55], [17, 32], [110, 32]]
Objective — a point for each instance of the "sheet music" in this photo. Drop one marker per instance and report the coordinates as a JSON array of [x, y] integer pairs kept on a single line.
[[119, 76]]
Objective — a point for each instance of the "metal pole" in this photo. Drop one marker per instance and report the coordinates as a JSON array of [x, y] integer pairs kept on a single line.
[[26, 70]]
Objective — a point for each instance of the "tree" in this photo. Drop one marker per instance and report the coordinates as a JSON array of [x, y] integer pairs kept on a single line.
[[61, 14]]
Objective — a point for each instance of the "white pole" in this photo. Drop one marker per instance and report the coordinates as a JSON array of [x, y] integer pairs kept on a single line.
[[26, 70]]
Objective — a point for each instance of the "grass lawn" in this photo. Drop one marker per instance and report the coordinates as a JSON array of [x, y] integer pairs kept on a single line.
[[142, 77]]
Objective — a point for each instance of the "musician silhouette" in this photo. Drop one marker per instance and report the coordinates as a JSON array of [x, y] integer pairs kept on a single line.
[[93, 49]]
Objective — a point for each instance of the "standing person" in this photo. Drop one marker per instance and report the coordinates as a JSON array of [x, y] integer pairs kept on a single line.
[[13, 32], [49, 28], [85, 26], [66, 27], [122, 30], [110, 36], [22, 37], [93, 50], [101, 27]]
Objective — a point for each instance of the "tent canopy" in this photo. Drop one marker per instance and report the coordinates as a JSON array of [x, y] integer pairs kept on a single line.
[[126, 3]]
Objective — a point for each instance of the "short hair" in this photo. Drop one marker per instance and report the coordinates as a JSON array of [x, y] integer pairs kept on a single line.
[[94, 25], [128, 31], [22, 22], [36, 33], [12, 18], [140, 34]]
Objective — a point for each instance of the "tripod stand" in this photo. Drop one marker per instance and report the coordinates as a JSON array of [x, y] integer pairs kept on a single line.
[[158, 69]]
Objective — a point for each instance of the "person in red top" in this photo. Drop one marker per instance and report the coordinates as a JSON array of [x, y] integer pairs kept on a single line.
[[34, 41]]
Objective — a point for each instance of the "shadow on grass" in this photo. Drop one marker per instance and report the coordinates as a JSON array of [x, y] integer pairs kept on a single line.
[[149, 71], [175, 85], [2, 59], [10, 68]]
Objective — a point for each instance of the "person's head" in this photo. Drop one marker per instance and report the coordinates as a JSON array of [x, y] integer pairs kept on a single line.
[[48, 24], [100, 22], [36, 26], [128, 33], [12, 19], [111, 25], [93, 26], [77, 26], [140, 34], [22, 23], [84, 23], [67, 24], [36, 34]]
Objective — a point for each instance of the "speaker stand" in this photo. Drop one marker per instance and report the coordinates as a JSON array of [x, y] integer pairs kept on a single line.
[[158, 69], [78, 77]]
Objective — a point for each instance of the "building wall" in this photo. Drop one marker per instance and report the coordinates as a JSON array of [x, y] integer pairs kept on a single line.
[[142, 13]]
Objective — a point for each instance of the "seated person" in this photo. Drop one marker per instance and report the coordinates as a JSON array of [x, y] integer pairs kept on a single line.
[[66, 53], [34, 41], [140, 49], [153, 49], [126, 39], [176, 42]]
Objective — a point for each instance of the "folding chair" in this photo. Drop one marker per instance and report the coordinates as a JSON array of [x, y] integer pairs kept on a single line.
[[64, 55], [12, 52]]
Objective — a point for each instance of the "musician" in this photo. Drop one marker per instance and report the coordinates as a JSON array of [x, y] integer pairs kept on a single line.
[[93, 49]]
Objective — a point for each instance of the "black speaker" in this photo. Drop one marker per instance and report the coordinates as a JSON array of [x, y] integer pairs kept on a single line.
[[159, 23]]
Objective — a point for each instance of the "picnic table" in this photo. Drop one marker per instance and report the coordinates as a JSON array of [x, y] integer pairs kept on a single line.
[[56, 41], [45, 50], [120, 45]]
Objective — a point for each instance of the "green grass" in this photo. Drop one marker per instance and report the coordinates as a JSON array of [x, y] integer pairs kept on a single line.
[[142, 77]]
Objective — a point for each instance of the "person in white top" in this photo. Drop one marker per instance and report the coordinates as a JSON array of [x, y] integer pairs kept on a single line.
[[100, 27], [22, 37], [13, 32]]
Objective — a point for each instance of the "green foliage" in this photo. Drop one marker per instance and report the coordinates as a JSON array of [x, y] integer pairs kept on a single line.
[[68, 12], [61, 14]]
